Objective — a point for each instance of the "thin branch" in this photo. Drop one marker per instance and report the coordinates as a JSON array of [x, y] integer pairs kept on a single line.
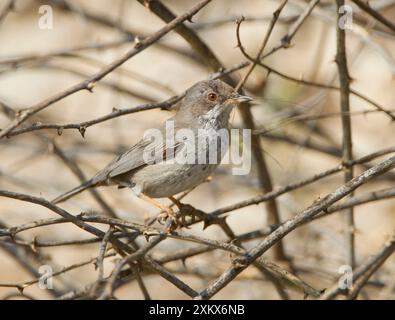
[[89, 83], [6, 9], [114, 24], [375, 14], [244, 261], [299, 81], [362, 274], [82, 126], [118, 245], [276, 15], [344, 79], [302, 183], [286, 39]]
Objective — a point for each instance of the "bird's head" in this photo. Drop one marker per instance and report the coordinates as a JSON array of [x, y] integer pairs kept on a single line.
[[210, 98]]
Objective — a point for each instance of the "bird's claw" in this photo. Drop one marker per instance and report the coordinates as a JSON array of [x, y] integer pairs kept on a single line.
[[179, 219]]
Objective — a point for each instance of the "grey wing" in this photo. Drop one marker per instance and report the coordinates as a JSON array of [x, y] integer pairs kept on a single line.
[[134, 158]]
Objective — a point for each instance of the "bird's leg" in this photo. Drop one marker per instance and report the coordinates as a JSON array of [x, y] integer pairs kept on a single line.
[[167, 212]]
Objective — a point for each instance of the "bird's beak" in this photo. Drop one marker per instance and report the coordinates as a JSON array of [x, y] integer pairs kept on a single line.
[[240, 98]]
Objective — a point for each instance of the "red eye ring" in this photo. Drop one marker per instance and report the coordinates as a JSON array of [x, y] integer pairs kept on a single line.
[[212, 96]]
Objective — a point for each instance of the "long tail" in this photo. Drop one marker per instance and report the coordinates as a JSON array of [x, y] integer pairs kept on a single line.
[[73, 192]]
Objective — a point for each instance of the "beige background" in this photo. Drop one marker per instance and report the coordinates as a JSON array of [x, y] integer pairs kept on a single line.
[[27, 165]]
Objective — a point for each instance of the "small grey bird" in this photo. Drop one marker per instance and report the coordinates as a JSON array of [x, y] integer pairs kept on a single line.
[[204, 111]]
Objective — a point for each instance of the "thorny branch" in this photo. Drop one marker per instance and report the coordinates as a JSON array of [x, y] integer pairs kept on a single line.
[[344, 79], [89, 83], [136, 245]]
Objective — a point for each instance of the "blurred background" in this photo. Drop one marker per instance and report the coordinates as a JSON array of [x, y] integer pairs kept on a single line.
[[35, 64]]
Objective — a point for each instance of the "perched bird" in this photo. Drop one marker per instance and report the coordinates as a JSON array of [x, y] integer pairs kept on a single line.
[[203, 112]]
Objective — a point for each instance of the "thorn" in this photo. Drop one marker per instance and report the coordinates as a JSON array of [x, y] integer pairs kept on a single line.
[[36, 124], [18, 113], [33, 246], [90, 86], [12, 234], [239, 263], [137, 42], [206, 224], [60, 131], [285, 41], [147, 4], [82, 214], [318, 199], [82, 130], [240, 20], [183, 261], [276, 13], [115, 109], [146, 235]]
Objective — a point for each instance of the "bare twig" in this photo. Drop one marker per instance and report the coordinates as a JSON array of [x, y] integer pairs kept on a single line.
[[286, 39], [276, 15], [294, 186], [362, 274], [118, 245], [82, 126], [344, 79], [244, 261], [6, 9], [89, 83], [375, 14]]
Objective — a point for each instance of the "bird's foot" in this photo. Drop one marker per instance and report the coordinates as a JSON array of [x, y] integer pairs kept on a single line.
[[167, 215], [186, 215]]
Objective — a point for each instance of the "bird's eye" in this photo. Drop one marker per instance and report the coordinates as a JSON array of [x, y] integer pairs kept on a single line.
[[212, 96]]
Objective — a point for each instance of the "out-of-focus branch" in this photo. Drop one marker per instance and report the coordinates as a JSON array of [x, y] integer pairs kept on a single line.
[[120, 246], [104, 20], [276, 15], [89, 83], [300, 81], [6, 9], [82, 126], [370, 267], [299, 184], [375, 14], [363, 273], [344, 79], [287, 38], [31, 260], [244, 261]]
